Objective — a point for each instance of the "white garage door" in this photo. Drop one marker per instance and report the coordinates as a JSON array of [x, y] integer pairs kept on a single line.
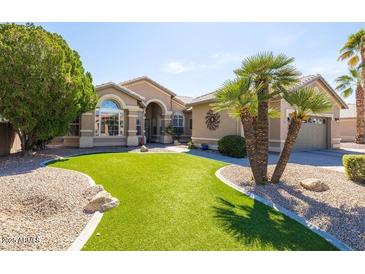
[[312, 135]]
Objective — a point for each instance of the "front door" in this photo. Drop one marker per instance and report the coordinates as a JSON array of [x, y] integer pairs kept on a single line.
[[148, 130]]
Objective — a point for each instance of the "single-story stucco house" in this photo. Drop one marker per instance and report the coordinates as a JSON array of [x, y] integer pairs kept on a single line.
[[139, 110], [128, 111], [319, 132], [348, 123]]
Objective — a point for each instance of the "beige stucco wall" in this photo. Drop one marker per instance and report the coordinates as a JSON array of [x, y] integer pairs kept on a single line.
[[332, 116], [151, 92], [9, 140], [348, 129], [128, 100], [201, 134], [187, 117], [278, 127]]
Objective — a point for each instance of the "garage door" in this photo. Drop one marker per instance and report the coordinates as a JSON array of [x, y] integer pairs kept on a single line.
[[312, 135]]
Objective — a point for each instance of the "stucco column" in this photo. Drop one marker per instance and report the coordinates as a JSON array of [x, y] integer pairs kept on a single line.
[[132, 139], [144, 126], [165, 122], [87, 129]]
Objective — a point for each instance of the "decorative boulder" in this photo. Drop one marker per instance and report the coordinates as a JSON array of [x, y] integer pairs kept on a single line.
[[101, 202], [176, 142], [144, 148], [314, 185], [90, 192]]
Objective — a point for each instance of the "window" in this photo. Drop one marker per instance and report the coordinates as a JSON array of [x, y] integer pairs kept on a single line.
[[178, 122], [191, 124], [109, 119], [74, 128], [139, 123]]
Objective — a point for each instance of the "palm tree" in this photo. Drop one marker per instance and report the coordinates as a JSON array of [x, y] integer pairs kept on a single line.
[[305, 101], [260, 78], [354, 46], [354, 52], [346, 84], [268, 76]]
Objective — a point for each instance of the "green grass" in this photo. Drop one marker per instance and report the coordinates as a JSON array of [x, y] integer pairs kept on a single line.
[[175, 202]]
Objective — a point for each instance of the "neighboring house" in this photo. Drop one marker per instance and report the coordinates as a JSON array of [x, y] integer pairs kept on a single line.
[[9, 139], [128, 111], [319, 132], [348, 123]]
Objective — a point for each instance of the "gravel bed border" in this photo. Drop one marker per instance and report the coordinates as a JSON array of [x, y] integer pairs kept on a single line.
[[93, 223], [329, 237]]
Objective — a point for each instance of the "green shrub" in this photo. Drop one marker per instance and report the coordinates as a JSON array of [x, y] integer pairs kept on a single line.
[[354, 167], [232, 145], [191, 145]]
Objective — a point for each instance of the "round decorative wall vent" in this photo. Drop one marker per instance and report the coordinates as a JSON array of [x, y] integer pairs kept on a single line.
[[212, 120]]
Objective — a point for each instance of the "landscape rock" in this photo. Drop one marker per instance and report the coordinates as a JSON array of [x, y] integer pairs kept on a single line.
[[314, 185], [90, 192], [101, 202], [144, 148]]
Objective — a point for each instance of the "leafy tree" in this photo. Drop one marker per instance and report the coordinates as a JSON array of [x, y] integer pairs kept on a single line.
[[261, 77], [304, 101], [354, 52], [43, 85], [347, 84]]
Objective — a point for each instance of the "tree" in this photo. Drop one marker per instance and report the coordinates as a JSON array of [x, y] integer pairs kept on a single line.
[[261, 77], [354, 52], [347, 84], [43, 85], [304, 101]]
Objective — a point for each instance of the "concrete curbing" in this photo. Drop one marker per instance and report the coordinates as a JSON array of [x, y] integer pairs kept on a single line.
[[330, 238], [90, 227]]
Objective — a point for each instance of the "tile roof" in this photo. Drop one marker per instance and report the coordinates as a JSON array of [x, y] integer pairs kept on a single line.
[[348, 113], [303, 81], [185, 99]]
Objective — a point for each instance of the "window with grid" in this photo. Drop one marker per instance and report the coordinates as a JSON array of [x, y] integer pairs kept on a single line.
[[109, 119]]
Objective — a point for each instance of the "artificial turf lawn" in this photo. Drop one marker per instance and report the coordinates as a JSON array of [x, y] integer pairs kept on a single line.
[[175, 202]]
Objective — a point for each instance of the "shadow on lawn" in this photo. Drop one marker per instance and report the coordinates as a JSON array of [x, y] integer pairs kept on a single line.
[[346, 224], [260, 227]]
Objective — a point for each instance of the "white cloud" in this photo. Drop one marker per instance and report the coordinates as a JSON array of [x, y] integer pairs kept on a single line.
[[177, 67]]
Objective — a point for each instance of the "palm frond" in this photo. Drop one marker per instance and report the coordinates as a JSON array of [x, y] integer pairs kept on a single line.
[[308, 100], [353, 61]]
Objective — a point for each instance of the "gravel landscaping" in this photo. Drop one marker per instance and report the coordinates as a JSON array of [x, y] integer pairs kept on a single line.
[[42, 208], [340, 210]]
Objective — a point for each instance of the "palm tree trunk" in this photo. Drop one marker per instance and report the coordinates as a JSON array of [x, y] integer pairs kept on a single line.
[[262, 136], [360, 97], [249, 132], [294, 127], [360, 115]]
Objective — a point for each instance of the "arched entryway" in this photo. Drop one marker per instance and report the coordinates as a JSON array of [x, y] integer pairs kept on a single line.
[[153, 122]]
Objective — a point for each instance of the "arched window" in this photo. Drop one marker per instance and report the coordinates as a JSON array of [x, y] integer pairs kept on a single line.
[[178, 122], [109, 119]]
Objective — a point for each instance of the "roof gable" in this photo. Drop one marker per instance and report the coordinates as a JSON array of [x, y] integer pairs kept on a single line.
[[304, 81], [121, 89], [160, 87]]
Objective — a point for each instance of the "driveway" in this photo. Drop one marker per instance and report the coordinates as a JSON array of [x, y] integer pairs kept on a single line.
[[329, 159]]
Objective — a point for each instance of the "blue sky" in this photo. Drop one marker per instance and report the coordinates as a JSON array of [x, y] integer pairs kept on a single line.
[[196, 58]]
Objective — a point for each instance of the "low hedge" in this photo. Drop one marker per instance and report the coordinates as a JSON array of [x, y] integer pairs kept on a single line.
[[354, 167], [232, 145]]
